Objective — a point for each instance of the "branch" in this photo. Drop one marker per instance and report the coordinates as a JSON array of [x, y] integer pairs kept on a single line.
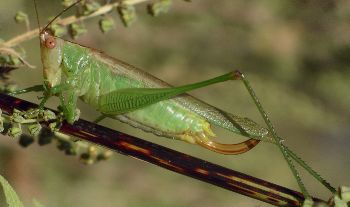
[[67, 21], [10, 51], [170, 159]]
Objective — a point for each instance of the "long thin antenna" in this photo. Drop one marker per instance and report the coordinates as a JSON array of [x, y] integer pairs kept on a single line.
[[64, 10], [37, 15]]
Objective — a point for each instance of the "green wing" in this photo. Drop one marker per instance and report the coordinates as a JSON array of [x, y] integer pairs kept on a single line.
[[129, 99]]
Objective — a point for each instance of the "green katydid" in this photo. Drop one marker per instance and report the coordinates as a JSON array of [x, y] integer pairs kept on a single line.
[[121, 91]]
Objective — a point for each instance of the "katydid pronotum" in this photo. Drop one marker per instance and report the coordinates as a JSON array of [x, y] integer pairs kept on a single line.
[[121, 91]]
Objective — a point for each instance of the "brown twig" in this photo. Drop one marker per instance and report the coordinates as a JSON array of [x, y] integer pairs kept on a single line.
[[67, 21], [10, 51], [170, 159]]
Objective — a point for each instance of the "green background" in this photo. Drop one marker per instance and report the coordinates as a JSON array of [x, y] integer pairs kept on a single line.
[[295, 53]]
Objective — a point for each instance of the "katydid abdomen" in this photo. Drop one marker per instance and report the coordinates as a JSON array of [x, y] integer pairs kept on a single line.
[[94, 77]]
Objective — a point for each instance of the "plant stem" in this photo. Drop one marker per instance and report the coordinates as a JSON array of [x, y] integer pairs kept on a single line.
[[169, 159], [67, 21]]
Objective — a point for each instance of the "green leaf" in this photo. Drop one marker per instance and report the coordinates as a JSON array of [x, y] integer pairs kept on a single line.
[[21, 17], [106, 24], [14, 60], [34, 129], [15, 131], [308, 203], [127, 14], [90, 7], [156, 8], [58, 30], [76, 30], [345, 193], [11, 196], [338, 202]]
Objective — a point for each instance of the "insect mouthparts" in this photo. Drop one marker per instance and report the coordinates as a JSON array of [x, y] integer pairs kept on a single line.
[[43, 35]]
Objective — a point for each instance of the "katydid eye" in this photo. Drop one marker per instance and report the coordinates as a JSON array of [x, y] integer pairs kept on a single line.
[[50, 42]]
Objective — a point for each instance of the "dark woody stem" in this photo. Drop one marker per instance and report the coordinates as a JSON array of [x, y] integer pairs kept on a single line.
[[170, 159]]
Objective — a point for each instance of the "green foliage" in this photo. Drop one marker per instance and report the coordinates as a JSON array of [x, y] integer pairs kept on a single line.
[[11, 196], [34, 129], [344, 192], [90, 7], [21, 17], [15, 131], [106, 24], [9, 59], [76, 30], [127, 14], [58, 30], [159, 7], [33, 132]]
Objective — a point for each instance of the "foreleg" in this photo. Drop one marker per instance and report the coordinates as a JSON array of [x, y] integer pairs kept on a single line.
[[69, 105], [36, 88]]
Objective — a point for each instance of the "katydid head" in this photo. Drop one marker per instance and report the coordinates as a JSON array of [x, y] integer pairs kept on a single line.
[[51, 50], [51, 57]]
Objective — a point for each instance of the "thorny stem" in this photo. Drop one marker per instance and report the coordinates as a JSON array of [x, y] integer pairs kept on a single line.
[[170, 159], [67, 21]]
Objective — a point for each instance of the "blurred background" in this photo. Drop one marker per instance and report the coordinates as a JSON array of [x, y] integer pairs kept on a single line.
[[295, 53]]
